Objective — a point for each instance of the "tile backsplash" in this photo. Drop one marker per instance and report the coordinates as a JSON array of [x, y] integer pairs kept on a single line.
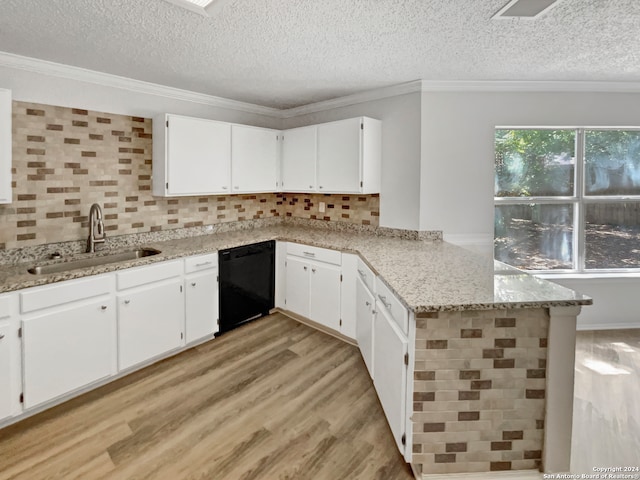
[[65, 159]]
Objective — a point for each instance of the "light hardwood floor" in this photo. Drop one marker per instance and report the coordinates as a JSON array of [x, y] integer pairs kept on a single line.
[[273, 399], [606, 418]]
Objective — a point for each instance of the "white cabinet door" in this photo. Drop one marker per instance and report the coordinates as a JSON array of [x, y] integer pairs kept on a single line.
[[150, 321], [201, 305], [254, 159], [297, 278], [348, 295], [365, 305], [390, 371], [299, 152], [68, 349], [324, 305], [198, 156], [339, 160], [5, 146], [6, 365]]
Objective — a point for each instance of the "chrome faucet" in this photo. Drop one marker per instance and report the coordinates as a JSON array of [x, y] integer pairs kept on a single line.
[[96, 228]]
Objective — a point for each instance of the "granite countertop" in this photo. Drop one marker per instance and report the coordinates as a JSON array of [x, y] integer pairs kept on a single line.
[[428, 276]]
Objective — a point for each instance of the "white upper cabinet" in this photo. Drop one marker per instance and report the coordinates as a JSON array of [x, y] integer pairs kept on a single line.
[[254, 159], [191, 156], [5, 146], [349, 156], [299, 154]]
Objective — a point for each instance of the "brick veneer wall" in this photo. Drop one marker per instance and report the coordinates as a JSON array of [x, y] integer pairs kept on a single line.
[[479, 390], [65, 159]]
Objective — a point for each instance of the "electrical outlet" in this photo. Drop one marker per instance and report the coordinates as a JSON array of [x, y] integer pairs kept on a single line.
[[321, 207]]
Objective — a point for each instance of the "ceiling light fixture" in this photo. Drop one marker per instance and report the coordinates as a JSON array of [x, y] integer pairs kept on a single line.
[[206, 8], [528, 9]]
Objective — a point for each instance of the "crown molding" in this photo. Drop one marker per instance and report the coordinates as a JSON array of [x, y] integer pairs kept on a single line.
[[366, 96], [108, 80], [542, 86]]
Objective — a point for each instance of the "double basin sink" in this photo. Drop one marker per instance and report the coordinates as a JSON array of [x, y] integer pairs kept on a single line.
[[66, 265]]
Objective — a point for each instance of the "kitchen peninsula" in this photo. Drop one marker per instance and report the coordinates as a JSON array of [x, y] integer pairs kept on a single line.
[[490, 358]]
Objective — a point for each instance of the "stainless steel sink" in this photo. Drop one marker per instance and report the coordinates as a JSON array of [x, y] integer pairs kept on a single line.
[[63, 266]]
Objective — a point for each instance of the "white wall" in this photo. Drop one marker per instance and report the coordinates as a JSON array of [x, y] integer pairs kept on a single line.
[[457, 171], [29, 86], [401, 136]]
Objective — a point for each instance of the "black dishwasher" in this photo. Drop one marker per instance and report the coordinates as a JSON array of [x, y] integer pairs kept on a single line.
[[247, 283]]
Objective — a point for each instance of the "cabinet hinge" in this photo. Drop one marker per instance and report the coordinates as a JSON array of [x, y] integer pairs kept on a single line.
[[285, 301], [180, 288], [181, 335], [167, 185], [22, 398], [340, 277], [20, 332], [361, 184], [362, 126], [340, 322], [406, 359], [404, 439], [167, 123]]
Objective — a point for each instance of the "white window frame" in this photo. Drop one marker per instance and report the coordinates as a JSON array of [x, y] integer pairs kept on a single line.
[[579, 200]]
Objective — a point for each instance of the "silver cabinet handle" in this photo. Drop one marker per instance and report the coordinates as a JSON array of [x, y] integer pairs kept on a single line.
[[127, 302], [1, 336], [367, 303], [305, 268], [311, 186], [193, 284], [225, 187], [236, 187], [313, 270], [383, 299], [309, 254], [203, 264], [321, 187], [103, 307]]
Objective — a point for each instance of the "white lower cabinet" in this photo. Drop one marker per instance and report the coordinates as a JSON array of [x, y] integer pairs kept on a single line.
[[348, 295], [298, 287], [201, 297], [324, 297], [313, 277], [67, 349], [390, 348], [365, 314], [5, 370], [150, 322]]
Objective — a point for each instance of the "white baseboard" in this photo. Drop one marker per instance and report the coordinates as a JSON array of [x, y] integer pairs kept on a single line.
[[607, 326], [510, 474]]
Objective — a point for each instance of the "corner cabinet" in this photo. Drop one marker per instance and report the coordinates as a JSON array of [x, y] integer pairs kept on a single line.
[[5, 146], [191, 156], [299, 157], [254, 159]]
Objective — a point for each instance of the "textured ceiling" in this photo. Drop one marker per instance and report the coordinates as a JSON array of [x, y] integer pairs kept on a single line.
[[286, 53]]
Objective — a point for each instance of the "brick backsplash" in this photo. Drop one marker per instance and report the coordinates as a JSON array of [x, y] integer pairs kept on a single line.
[[65, 159], [479, 390]]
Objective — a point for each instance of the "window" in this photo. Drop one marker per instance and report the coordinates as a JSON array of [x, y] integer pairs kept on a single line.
[[567, 199]]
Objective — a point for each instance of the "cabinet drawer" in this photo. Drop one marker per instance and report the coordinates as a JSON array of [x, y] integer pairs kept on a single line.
[[391, 303], [366, 275], [148, 274], [314, 253], [201, 262], [70, 291], [5, 307]]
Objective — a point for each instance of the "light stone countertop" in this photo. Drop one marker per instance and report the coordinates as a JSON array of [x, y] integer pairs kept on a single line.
[[428, 276]]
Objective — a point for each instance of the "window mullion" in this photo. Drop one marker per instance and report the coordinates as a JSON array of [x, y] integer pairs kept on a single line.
[[579, 212]]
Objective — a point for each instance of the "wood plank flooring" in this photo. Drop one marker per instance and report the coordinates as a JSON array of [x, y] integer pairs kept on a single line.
[[273, 399], [606, 408]]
